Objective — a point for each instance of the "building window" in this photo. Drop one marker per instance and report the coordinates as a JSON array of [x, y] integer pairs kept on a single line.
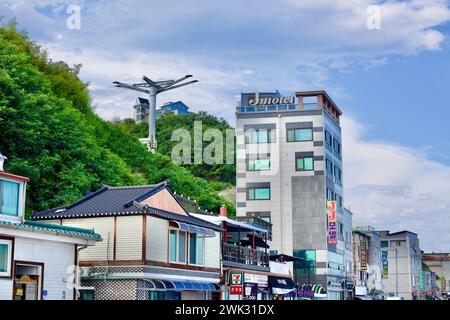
[[329, 168], [338, 175], [297, 135], [5, 257], [258, 193], [177, 246], [384, 244], [9, 198], [261, 163], [339, 203], [337, 148], [328, 141], [340, 231], [196, 249], [304, 164], [260, 136], [308, 263]]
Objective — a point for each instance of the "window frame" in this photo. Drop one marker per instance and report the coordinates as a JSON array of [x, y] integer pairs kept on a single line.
[[19, 197], [177, 254], [258, 157], [197, 236], [294, 130], [303, 158], [254, 194], [10, 242], [249, 134]]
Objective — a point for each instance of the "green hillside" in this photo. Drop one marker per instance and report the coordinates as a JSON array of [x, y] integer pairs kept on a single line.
[[166, 124], [50, 134]]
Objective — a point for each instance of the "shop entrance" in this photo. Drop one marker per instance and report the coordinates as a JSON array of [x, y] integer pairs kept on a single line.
[[28, 277]]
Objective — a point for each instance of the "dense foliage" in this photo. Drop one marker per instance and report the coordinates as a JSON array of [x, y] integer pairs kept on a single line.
[[51, 135], [169, 122]]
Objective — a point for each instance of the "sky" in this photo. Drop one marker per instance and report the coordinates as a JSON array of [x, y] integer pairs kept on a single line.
[[385, 63]]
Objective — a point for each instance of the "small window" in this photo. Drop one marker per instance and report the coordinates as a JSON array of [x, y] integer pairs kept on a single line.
[[258, 164], [5, 257], [296, 135], [9, 198], [196, 249], [305, 164], [384, 244], [260, 136], [177, 246], [258, 193]]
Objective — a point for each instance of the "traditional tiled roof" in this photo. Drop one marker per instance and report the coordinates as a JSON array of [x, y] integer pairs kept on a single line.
[[47, 227], [112, 201]]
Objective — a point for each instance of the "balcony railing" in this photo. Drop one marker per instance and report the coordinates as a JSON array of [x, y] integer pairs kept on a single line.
[[241, 256], [257, 222]]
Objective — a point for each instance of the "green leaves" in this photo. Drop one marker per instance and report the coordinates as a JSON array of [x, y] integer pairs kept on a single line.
[[51, 135]]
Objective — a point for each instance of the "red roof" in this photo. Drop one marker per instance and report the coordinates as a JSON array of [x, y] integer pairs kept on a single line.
[[13, 176]]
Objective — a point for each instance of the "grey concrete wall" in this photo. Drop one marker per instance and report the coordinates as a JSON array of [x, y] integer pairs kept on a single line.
[[308, 213]]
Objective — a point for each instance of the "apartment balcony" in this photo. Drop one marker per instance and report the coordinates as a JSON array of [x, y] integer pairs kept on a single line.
[[257, 222], [236, 256]]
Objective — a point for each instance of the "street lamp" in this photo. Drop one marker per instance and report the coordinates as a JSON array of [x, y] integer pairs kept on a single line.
[[152, 88]]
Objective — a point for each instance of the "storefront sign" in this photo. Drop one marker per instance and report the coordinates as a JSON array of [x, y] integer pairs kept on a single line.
[[363, 258], [26, 279], [421, 282], [236, 279], [332, 227], [264, 101], [260, 279], [385, 262], [251, 291], [236, 290]]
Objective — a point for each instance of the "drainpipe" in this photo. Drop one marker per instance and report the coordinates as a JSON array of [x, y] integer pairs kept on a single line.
[[77, 273]]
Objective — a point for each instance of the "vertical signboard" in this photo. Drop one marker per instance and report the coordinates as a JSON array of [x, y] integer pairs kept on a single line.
[[421, 282], [236, 283], [385, 263], [363, 250], [332, 224]]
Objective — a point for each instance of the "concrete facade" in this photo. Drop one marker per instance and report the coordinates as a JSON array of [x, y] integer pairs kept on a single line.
[[297, 204], [405, 264]]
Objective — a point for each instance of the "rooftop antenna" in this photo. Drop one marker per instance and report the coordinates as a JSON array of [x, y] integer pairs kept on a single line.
[[152, 88]]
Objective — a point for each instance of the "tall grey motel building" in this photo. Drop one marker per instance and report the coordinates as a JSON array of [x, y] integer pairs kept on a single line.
[[289, 163]]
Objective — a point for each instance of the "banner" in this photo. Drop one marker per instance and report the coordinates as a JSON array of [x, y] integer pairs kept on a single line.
[[363, 258], [332, 224], [385, 262]]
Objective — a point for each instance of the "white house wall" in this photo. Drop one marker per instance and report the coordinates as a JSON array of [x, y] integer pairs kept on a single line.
[[129, 238], [212, 251], [157, 239], [105, 227]]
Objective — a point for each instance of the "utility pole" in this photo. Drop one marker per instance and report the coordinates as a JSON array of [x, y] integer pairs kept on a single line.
[[152, 88]]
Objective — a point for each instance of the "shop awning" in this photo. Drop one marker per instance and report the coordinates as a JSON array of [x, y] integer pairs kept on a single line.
[[181, 285], [194, 229], [281, 285]]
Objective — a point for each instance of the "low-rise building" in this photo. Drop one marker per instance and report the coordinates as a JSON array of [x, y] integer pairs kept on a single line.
[[153, 248], [37, 260], [402, 264], [439, 263], [248, 272], [367, 264]]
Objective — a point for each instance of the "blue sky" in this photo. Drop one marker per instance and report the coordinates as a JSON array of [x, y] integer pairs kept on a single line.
[[391, 83]]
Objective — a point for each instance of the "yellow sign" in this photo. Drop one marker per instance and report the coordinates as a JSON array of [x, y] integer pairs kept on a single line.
[[19, 292], [26, 279]]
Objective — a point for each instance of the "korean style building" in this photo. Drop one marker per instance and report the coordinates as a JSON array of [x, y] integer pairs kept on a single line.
[[288, 169], [37, 260], [152, 249]]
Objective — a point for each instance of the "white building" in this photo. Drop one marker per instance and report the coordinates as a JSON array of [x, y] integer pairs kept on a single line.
[[153, 249], [288, 169], [37, 260]]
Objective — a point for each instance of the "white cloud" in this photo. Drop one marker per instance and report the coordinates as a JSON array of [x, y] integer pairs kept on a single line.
[[394, 187]]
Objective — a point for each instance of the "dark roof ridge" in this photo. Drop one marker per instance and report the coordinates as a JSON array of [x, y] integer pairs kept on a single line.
[[89, 196]]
